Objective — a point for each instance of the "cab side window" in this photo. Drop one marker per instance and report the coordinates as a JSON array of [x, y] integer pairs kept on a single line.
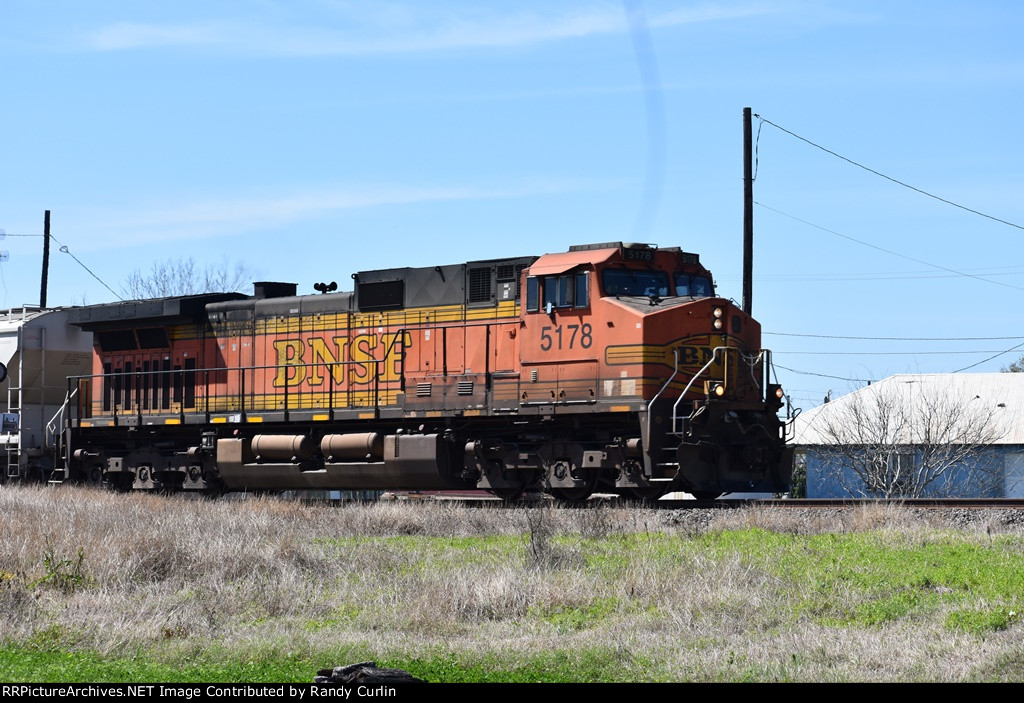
[[568, 290], [695, 286]]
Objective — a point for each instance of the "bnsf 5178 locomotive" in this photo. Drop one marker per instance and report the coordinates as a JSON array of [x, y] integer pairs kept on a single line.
[[611, 367]]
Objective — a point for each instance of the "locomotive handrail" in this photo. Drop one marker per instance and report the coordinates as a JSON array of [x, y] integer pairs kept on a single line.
[[689, 385], [675, 372], [675, 406], [51, 425], [207, 403]]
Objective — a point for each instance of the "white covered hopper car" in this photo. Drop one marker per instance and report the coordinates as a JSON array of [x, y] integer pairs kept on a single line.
[[39, 350]]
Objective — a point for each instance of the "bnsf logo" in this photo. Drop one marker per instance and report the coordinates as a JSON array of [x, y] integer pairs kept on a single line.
[[358, 360], [693, 355]]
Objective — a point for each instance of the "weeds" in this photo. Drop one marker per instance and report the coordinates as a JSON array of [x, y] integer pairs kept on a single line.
[[63, 574], [517, 594]]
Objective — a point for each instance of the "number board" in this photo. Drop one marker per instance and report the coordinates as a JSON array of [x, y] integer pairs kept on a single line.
[[638, 254]]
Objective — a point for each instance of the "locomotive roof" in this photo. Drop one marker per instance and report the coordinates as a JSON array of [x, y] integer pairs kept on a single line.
[[556, 263], [551, 264], [478, 282], [163, 311]]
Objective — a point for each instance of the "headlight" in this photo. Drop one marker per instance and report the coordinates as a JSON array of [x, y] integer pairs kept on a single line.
[[718, 322]]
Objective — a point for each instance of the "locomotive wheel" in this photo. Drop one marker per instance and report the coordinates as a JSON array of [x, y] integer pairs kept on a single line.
[[705, 495], [572, 495], [119, 483], [647, 494], [578, 493], [509, 494], [516, 483]]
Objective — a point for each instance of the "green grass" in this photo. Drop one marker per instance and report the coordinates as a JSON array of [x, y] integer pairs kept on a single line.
[[31, 665], [970, 586], [870, 578]]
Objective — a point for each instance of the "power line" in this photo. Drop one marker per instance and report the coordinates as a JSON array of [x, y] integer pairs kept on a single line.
[[823, 375], [888, 251], [894, 339], [884, 353], [872, 276], [990, 358], [888, 178], [873, 246], [65, 250]]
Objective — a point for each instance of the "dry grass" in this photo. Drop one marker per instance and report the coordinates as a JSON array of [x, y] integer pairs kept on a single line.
[[120, 574]]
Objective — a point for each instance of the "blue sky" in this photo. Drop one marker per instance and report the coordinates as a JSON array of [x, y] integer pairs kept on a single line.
[[311, 139]]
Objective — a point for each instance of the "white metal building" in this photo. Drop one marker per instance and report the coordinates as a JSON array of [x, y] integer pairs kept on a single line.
[[997, 396]]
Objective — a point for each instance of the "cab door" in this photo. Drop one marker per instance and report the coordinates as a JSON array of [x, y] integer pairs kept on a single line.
[[560, 363]]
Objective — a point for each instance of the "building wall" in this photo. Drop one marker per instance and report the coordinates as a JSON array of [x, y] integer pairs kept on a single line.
[[999, 472], [1013, 472]]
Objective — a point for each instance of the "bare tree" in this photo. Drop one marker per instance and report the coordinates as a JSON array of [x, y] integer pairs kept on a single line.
[[1015, 366], [908, 440], [185, 277]]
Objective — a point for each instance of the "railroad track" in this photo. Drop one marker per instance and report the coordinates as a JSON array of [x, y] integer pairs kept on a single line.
[[936, 503], [599, 500]]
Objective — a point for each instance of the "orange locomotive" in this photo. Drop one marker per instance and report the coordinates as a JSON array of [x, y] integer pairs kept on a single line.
[[610, 367]]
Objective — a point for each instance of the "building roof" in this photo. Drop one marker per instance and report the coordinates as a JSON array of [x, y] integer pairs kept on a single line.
[[1001, 394]]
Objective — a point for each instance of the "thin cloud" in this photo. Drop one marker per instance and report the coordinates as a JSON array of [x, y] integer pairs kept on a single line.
[[405, 32], [124, 36], [230, 217]]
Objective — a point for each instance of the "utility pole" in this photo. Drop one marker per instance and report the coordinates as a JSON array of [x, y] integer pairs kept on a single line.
[[46, 258], [748, 214]]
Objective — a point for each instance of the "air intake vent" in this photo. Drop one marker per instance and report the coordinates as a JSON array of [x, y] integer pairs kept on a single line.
[[465, 388], [506, 272], [423, 390], [480, 285]]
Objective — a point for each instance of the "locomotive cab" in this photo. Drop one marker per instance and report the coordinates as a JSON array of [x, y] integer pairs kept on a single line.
[[641, 331]]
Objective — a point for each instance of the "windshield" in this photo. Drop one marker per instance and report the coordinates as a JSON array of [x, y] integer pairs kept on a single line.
[[696, 286], [631, 282]]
